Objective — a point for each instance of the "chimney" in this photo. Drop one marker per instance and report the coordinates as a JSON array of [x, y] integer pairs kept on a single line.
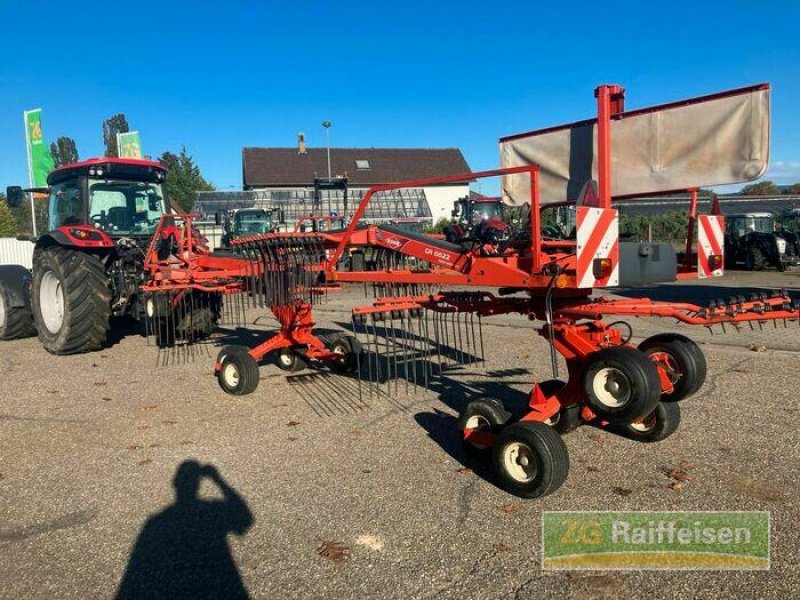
[[301, 143]]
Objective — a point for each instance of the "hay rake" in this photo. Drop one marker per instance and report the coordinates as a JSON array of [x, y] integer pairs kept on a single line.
[[412, 333]]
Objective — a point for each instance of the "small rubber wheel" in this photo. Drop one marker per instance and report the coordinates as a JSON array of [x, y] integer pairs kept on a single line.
[[349, 349], [289, 360], [657, 426], [238, 371], [530, 459], [621, 384], [488, 415], [683, 361], [566, 420]]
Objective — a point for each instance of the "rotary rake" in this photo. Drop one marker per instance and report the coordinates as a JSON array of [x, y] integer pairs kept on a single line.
[[413, 334]]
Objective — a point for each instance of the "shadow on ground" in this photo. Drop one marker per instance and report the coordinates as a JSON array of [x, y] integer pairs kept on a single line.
[[182, 551]]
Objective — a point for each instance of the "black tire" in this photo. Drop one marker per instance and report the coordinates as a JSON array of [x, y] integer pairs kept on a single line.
[[657, 426], [568, 419], [237, 373], [631, 388], [687, 368], [349, 348], [530, 459], [486, 414], [288, 359], [16, 322], [754, 260], [86, 307]]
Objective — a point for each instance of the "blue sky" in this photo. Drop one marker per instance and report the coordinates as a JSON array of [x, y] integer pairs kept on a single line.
[[217, 76]]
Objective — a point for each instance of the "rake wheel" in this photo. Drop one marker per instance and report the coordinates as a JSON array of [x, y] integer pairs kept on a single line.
[[657, 426], [238, 371], [485, 415], [621, 384], [289, 359], [349, 349], [530, 459], [683, 361]]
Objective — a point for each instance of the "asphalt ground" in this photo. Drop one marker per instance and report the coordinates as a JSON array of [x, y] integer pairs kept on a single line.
[[332, 495]]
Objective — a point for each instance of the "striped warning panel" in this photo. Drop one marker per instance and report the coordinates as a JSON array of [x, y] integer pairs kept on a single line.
[[597, 247], [710, 246]]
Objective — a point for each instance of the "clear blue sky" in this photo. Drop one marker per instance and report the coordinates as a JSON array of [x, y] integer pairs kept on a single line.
[[217, 76]]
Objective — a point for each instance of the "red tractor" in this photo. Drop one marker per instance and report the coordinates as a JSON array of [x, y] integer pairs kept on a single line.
[[88, 267]]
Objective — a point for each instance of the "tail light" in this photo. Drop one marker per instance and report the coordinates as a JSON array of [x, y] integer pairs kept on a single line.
[[715, 262], [602, 268]]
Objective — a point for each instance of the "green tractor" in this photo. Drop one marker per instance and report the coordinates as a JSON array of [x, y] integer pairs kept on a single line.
[[245, 221], [758, 241]]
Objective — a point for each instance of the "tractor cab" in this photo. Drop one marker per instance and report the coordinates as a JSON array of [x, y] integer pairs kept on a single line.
[[757, 240], [244, 221], [120, 197], [480, 219]]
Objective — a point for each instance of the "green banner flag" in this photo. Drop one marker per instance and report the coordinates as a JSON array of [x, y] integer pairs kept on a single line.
[[128, 145], [40, 161]]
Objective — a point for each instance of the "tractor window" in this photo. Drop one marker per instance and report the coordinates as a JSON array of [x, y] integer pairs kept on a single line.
[[484, 211], [65, 206], [763, 224], [252, 222], [125, 207]]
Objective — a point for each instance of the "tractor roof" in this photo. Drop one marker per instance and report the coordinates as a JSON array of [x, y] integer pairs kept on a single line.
[[123, 168], [756, 215]]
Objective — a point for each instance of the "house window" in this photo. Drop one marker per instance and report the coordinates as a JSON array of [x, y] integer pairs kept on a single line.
[[362, 165]]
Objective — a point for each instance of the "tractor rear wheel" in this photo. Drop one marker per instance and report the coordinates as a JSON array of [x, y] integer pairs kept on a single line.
[[71, 300], [237, 372], [530, 459], [754, 260], [15, 321], [621, 384], [683, 361], [486, 415]]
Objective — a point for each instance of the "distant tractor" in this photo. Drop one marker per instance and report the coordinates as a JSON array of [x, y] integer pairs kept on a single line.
[[244, 221], [477, 220], [754, 239], [89, 267]]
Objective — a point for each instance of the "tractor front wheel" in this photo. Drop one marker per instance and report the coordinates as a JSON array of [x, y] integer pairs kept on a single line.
[[237, 371], [15, 322], [71, 300], [530, 459], [754, 260]]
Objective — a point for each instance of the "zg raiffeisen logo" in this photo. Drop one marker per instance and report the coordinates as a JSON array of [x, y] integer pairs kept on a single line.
[[655, 540]]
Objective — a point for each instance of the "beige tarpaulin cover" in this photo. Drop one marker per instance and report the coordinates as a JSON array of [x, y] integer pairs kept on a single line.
[[712, 140]]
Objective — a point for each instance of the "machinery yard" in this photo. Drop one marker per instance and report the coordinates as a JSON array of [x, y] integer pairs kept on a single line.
[[353, 495]]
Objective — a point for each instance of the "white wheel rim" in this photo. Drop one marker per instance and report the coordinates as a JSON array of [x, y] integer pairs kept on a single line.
[[231, 375], [477, 423], [519, 462], [645, 425], [286, 359], [611, 387], [2, 311], [51, 302]]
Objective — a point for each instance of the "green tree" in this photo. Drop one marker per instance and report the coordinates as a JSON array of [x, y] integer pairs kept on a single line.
[[64, 151], [8, 224], [793, 189], [111, 127], [184, 179], [762, 188]]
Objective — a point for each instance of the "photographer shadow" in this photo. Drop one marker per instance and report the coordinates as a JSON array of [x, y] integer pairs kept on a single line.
[[182, 551]]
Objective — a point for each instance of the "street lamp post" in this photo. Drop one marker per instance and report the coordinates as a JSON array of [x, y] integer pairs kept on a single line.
[[327, 126]]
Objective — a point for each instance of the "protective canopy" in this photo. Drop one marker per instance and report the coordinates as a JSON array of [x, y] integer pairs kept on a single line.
[[712, 140]]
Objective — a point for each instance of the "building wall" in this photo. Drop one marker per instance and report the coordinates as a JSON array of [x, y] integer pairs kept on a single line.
[[441, 199]]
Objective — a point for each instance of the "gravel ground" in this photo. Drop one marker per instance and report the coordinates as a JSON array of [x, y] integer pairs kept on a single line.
[[90, 445]]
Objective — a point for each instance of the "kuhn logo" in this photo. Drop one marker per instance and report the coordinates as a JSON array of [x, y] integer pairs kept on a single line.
[[394, 242]]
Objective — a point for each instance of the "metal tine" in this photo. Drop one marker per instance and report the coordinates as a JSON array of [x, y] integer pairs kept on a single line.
[[358, 357], [480, 332], [392, 362]]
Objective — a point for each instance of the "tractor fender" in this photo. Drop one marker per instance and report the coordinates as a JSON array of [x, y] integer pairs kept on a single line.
[[66, 236], [16, 281]]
